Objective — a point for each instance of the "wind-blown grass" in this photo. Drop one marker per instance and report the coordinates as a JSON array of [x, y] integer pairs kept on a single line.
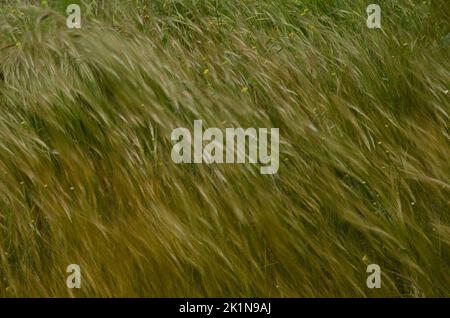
[[86, 174]]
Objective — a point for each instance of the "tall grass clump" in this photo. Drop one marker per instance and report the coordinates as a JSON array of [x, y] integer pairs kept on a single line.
[[87, 178]]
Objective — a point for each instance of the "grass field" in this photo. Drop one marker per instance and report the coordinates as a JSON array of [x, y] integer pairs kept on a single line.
[[86, 175]]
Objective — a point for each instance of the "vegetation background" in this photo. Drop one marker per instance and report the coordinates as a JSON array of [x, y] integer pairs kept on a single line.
[[85, 169]]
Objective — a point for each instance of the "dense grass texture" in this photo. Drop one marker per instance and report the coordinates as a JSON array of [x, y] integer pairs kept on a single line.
[[86, 175]]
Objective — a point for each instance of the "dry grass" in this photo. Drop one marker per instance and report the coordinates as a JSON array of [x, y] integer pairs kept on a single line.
[[87, 178]]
